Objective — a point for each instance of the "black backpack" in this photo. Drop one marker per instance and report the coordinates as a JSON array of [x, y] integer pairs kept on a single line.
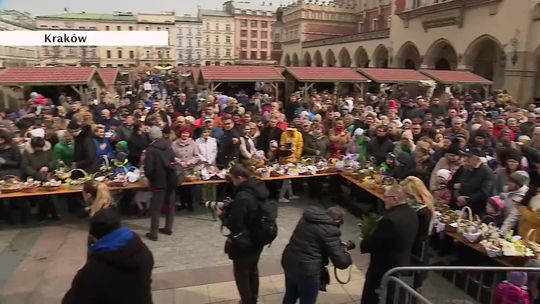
[[265, 232]]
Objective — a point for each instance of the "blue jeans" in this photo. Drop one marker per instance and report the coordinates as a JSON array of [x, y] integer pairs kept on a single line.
[[305, 288]]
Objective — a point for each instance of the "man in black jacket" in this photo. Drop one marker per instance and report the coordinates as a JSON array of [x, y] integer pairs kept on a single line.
[[159, 169], [85, 155], [472, 184], [229, 148], [118, 269], [242, 217], [380, 145], [268, 133], [315, 239], [391, 242]]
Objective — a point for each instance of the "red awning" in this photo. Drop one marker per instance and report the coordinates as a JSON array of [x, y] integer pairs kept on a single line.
[[393, 75], [47, 75], [241, 73], [456, 77], [325, 74], [109, 75]]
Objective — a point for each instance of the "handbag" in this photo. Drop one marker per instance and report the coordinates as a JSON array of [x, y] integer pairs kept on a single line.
[[325, 278]]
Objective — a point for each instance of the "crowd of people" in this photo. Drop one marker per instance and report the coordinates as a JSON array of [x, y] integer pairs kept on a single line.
[[465, 150]]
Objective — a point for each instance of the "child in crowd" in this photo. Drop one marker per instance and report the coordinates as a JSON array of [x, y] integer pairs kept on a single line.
[[513, 290], [387, 167], [443, 194], [494, 211]]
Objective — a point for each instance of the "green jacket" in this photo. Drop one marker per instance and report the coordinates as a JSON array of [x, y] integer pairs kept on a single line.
[[64, 152], [363, 150]]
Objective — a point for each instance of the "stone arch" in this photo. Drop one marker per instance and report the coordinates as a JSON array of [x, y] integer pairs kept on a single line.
[[361, 58], [317, 59], [483, 56], [380, 56], [536, 93], [295, 61], [345, 58], [441, 55], [307, 59], [330, 58], [287, 60], [408, 56]]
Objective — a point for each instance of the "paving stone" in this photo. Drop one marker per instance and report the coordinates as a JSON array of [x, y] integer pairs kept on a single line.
[[163, 296], [220, 292], [192, 295]]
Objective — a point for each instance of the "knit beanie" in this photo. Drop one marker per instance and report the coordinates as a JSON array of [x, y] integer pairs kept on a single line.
[[496, 203], [123, 145], [73, 126], [155, 133], [518, 278], [520, 177]]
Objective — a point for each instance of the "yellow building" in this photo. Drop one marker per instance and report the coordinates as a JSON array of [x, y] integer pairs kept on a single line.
[[162, 55], [12, 56], [218, 37]]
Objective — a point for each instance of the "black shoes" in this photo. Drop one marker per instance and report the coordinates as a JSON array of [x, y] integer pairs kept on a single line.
[[151, 237], [165, 231]]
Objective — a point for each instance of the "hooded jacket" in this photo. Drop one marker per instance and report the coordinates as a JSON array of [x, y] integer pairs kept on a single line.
[[243, 213], [296, 143], [118, 271], [35, 159], [315, 240], [158, 155], [64, 152], [85, 154]]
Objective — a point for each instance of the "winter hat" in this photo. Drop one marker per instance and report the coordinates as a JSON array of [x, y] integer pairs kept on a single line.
[[104, 222], [73, 126], [520, 177], [518, 278], [406, 120], [123, 145], [481, 133], [39, 132], [155, 133], [496, 203], [514, 155], [445, 174]]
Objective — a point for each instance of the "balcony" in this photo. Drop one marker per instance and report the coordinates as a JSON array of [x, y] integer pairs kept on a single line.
[[348, 38]]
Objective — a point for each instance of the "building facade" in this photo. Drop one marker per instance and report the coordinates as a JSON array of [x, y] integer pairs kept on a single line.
[[160, 55], [218, 37], [252, 31], [14, 56], [189, 40], [475, 35]]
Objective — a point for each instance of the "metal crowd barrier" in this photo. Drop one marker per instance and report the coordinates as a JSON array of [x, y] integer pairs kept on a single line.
[[395, 288]]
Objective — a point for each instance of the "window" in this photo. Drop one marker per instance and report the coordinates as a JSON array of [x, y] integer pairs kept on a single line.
[[253, 34], [207, 52], [120, 65], [264, 56], [264, 24], [217, 52], [189, 31], [131, 54], [54, 26], [147, 28], [198, 55], [159, 28], [264, 44], [109, 65], [217, 39], [243, 55], [108, 54], [92, 27], [416, 3], [253, 55], [243, 43], [217, 63], [243, 33], [217, 26], [118, 28], [253, 23], [228, 27], [130, 28], [198, 42], [82, 27], [227, 39], [243, 23], [207, 63], [180, 57], [228, 52], [179, 42], [107, 27], [168, 54], [253, 43], [189, 42], [167, 29], [207, 38], [264, 35], [374, 24], [147, 53], [389, 22], [159, 54], [120, 54]]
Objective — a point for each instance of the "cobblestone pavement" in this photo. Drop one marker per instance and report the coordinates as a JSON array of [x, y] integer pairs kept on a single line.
[[37, 263]]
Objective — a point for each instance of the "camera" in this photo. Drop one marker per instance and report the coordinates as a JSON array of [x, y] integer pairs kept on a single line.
[[211, 205], [349, 245]]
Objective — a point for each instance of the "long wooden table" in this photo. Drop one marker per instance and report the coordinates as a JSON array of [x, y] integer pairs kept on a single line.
[[64, 189], [374, 190]]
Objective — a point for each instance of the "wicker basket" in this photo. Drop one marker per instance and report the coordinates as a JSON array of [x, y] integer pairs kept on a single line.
[[32, 189], [12, 189], [51, 188]]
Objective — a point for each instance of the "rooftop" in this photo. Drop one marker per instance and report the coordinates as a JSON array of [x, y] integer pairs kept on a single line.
[[266, 6], [187, 19], [216, 13], [47, 75], [241, 73], [90, 16]]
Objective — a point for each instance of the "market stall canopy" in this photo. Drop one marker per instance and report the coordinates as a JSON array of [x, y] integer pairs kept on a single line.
[[325, 74], [47, 76], [193, 72], [241, 73], [456, 77], [109, 75], [393, 75]]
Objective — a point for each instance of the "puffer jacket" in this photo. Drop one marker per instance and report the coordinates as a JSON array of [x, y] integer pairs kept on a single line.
[[12, 160], [312, 144], [315, 239], [296, 143], [186, 151], [511, 213], [35, 159], [64, 152]]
